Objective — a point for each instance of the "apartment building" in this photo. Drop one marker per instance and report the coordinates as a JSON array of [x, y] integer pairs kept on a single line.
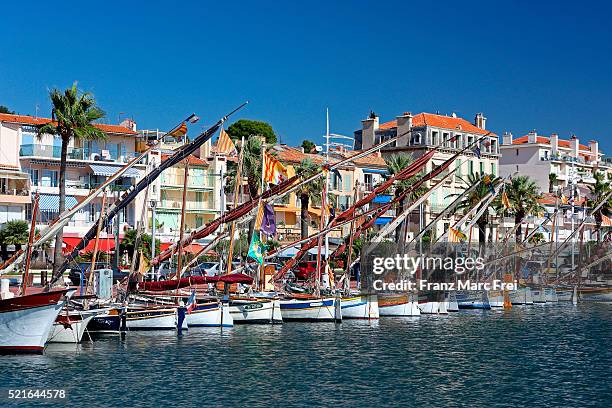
[[540, 156], [30, 164], [447, 134]]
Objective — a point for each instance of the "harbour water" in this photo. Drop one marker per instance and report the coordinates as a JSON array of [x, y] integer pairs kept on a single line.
[[542, 355]]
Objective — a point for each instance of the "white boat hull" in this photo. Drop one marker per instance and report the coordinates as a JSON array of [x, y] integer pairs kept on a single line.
[[153, 319], [394, 305], [315, 310], [253, 311], [69, 331], [451, 302], [210, 315], [496, 299], [429, 307], [521, 296], [360, 307], [551, 295], [27, 328], [538, 295]]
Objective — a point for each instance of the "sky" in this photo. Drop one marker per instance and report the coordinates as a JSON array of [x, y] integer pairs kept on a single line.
[[526, 65]]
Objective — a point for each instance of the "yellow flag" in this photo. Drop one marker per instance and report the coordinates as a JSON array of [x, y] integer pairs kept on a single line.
[[505, 200], [225, 144], [274, 171], [179, 131]]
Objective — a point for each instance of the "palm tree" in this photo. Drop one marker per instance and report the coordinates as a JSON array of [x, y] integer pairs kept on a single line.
[[599, 191], [309, 193], [552, 179], [395, 164], [73, 115], [14, 232], [475, 197], [523, 194]]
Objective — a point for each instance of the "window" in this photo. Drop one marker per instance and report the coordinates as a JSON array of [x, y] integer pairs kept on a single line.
[[34, 176], [367, 179], [458, 167], [434, 138], [517, 152], [493, 169], [49, 178], [416, 139], [199, 221], [482, 166], [471, 167]]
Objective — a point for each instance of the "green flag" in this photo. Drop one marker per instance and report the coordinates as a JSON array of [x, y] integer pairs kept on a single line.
[[256, 248]]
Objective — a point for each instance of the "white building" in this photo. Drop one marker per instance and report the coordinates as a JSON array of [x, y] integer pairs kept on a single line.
[[539, 156]]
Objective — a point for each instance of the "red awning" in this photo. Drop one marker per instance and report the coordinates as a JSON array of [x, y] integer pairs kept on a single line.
[[104, 245], [192, 248]]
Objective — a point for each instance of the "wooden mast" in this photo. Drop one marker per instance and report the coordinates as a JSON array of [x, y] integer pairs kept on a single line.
[[182, 227], [26, 270]]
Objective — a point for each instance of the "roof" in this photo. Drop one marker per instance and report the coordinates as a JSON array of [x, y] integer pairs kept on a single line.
[[551, 199], [294, 155], [31, 120], [546, 140], [440, 121], [193, 160]]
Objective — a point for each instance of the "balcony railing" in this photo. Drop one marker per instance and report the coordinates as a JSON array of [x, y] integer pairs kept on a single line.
[[190, 205], [76, 153], [195, 181]]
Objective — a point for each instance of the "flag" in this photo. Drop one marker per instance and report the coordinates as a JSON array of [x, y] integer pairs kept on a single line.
[[268, 223], [486, 143], [455, 137], [265, 221], [274, 171], [564, 199], [606, 221], [454, 235], [193, 118], [476, 151], [191, 302], [256, 248], [179, 131], [489, 183], [505, 200], [225, 144]]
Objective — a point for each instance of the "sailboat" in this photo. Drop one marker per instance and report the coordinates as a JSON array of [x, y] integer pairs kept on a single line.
[[25, 321], [405, 304], [70, 326]]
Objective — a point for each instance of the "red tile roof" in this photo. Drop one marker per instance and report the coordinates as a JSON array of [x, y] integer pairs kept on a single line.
[[440, 121], [193, 160], [31, 120], [546, 140]]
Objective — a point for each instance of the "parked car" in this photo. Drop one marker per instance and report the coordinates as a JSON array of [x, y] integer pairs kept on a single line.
[[75, 275]]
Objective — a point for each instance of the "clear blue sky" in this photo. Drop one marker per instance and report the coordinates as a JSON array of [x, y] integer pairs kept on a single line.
[[526, 65]]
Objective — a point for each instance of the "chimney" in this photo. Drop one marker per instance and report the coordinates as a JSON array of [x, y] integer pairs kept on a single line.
[[594, 148], [128, 123], [369, 127], [554, 144], [532, 137], [507, 138], [480, 121], [574, 146], [404, 124]]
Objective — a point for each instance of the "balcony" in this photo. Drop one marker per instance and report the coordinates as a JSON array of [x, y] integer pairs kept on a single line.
[[76, 153], [175, 206], [195, 181]]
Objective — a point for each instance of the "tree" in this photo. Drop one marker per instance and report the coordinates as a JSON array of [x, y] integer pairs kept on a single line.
[[473, 198], [395, 164], [523, 194], [14, 232], [309, 192], [249, 128], [4, 109], [552, 180], [129, 241], [599, 191], [73, 116], [308, 146]]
